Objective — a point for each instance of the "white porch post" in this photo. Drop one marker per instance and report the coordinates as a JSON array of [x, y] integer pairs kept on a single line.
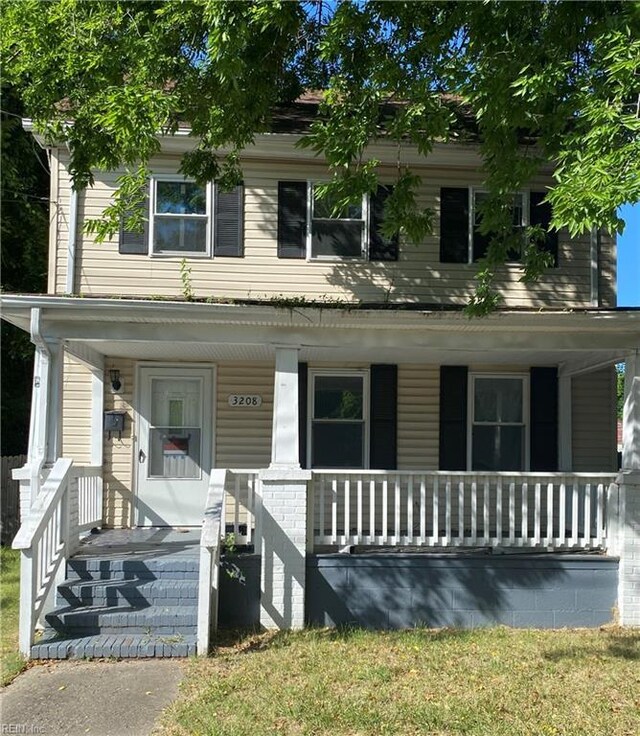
[[629, 483], [45, 430], [97, 412], [283, 509]]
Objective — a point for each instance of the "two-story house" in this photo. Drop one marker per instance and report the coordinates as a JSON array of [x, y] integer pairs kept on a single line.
[[322, 383]]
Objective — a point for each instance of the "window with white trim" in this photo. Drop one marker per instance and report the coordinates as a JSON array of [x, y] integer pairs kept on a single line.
[[342, 235], [180, 217], [498, 422], [338, 419]]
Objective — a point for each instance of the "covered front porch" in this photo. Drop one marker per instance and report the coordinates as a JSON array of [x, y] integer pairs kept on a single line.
[[415, 490]]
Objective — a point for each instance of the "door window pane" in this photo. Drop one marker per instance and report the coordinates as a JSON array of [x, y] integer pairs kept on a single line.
[[176, 428]]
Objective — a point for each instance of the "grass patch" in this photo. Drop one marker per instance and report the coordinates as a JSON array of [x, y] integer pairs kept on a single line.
[[11, 662], [498, 681]]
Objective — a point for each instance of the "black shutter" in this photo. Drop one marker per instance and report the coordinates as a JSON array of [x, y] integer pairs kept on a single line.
[[302, 412], [454, 225], [134, 242], [540, 214], [453, 417], [383, 443], [229, 222], [544, 419], [380, 248], [292, 219]]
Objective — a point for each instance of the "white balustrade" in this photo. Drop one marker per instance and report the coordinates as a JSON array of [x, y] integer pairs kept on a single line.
[[240, 503], [69, 501], [442, 509]]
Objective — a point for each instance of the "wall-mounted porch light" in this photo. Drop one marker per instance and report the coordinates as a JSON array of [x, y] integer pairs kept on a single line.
[[116, 382]]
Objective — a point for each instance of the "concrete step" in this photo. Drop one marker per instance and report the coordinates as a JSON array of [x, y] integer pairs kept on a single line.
[[153, 620], [136, 593], [109, 645], [167, 568]]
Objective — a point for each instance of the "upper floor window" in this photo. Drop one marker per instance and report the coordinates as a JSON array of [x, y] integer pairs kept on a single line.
[[341, 235], [180, 216], [183, 218], [308, 227], [460, 238]]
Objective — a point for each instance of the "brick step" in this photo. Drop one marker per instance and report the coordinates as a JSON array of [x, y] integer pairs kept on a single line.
[[153, 620], [109, 645], [137, 593], [171, 568]]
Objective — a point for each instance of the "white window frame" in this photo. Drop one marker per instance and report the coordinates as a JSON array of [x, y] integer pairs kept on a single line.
[[471, 393], [337, 373], [364, 244], [525, 193], [209, 202]]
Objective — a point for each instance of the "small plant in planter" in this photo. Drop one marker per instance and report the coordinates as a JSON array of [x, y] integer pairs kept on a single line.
[[229, 550]]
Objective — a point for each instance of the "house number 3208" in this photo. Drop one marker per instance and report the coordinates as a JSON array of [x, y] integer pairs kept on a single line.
[[245, 400]]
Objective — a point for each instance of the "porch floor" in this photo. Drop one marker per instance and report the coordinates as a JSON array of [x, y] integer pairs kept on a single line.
[[142, 542]]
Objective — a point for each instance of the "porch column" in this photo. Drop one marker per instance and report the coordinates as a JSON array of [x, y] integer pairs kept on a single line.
[[629, 498], [45, 431], [283, 509]]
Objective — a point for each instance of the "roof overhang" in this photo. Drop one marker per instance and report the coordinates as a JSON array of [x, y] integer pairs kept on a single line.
[[166, 330]]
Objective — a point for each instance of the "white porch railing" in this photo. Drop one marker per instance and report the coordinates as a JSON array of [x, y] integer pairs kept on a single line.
[[209, 576], [69, 501], [241, 488], [443, 509]]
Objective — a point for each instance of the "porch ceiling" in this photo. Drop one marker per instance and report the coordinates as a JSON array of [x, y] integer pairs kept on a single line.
[[172, 331]]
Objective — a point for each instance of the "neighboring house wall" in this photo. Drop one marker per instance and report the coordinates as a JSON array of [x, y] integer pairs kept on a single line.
[[594, 421], [418, 275]]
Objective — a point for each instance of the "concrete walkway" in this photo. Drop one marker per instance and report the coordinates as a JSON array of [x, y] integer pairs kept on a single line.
[[97, 698]]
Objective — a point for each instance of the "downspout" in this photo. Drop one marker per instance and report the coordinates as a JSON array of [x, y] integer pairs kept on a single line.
[[71, 242], [594, 269]]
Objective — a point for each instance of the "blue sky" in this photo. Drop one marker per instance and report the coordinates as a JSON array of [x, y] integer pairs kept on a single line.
[[629, 258]]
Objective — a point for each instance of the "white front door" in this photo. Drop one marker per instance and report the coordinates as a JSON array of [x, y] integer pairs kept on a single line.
[[175, 435]]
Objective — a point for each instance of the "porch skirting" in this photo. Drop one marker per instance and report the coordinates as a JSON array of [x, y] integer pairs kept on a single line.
[[463, 590]]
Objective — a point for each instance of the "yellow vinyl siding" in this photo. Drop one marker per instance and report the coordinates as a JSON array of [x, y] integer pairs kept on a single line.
[[417, 276], [594, 421], [118, 452], [418, 417], [243, 434], [76, 411]]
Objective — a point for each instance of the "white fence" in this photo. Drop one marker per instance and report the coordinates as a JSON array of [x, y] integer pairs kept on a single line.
[[441, 509], [10, 496]]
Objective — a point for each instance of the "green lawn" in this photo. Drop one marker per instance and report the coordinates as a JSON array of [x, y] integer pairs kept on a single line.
[[10, 660], [485, 682]]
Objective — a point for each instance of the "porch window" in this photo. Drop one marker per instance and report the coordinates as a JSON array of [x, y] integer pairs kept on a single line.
[[338, 420], [180, 217], [339, 235], [498, 423]]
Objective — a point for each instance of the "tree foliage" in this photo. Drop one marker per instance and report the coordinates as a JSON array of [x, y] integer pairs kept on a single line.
[[539, 81], [23, 235]]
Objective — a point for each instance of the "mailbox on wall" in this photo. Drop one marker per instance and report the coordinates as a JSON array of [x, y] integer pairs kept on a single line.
[[114, 422]]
